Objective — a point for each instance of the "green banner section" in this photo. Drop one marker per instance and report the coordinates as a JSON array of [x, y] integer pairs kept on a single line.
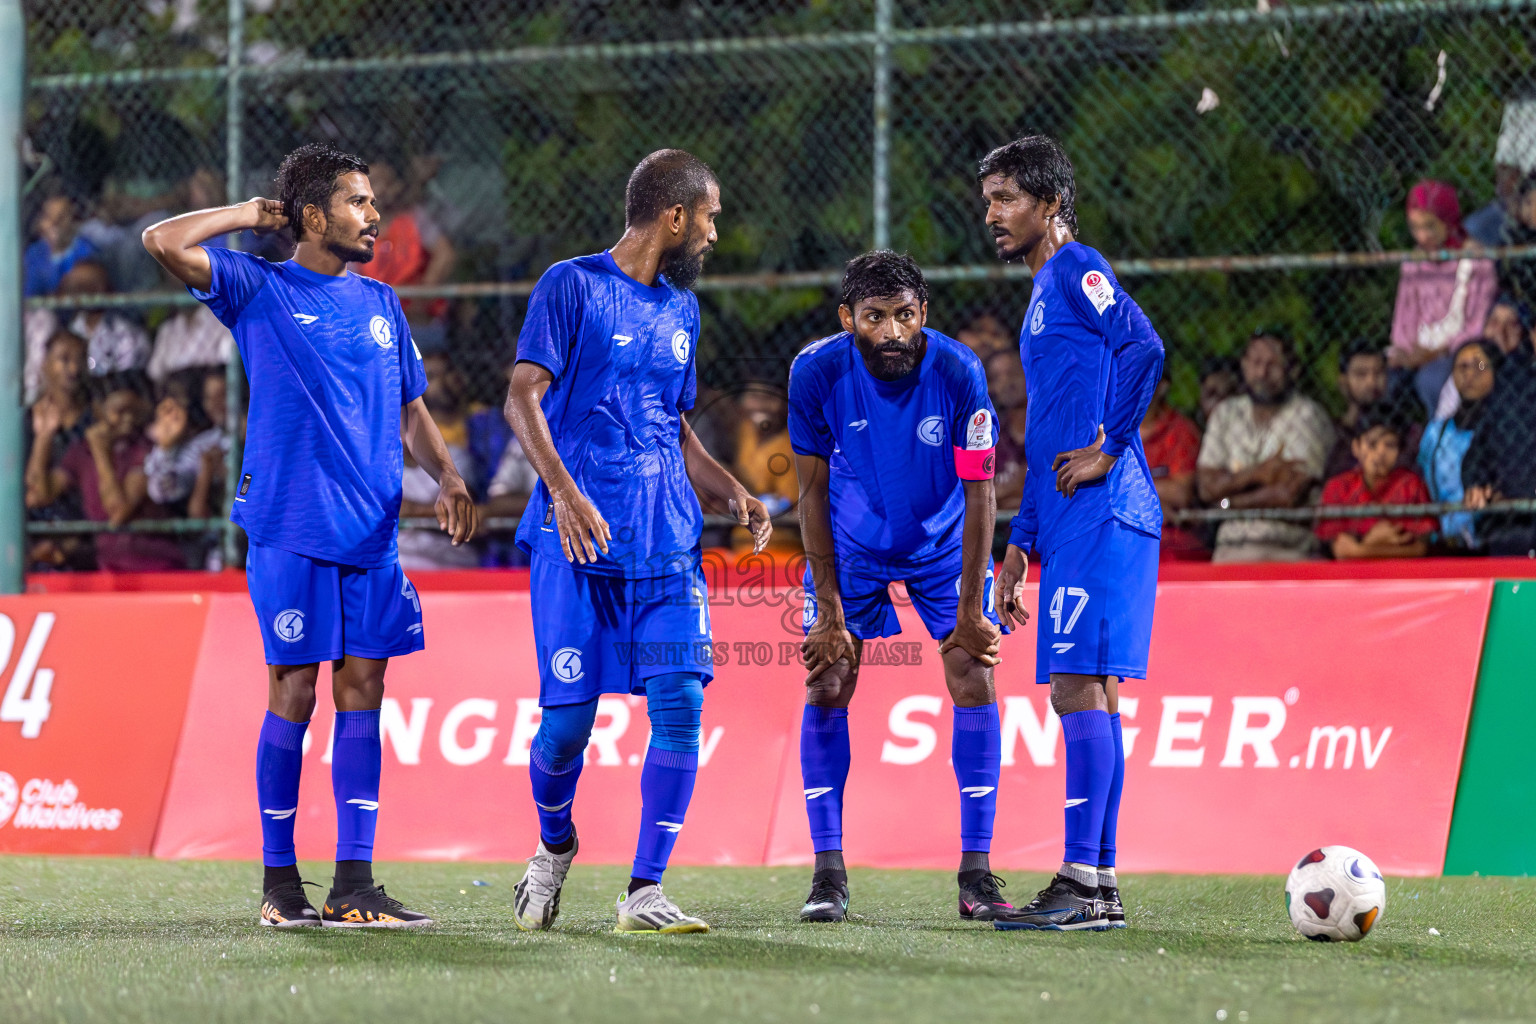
[[1493, 830]]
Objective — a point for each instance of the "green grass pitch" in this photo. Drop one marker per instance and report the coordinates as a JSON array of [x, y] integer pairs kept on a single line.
[[139, 940]]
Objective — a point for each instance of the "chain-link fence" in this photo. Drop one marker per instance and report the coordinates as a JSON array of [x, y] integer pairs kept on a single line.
[[1242, 165]]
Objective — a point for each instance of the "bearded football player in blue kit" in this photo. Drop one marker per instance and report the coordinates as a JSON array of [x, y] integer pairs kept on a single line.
[[894, 439], [1092, 361], [604, 374], [335, 383]]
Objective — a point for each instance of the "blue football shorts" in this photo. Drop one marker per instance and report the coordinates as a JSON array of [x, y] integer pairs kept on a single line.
[[1097, 592], [595, 634], [312, 611], [866, 596]]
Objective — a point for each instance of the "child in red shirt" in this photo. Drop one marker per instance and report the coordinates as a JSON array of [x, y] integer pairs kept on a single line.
[[1376, 480]]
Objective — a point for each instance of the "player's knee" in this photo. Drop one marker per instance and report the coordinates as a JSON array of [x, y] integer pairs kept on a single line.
[[675, 703], [833, 688], [291, 691], [1071, 694], [969, 681], [564, 732]]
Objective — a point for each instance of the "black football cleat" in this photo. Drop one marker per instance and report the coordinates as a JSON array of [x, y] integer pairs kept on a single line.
[[369, 908], [286, 906], [828, 901], [982, 899], [1062, 906], [1113, 911]]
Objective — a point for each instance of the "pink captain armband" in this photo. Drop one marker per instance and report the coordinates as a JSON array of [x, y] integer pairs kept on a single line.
[[975, 464]]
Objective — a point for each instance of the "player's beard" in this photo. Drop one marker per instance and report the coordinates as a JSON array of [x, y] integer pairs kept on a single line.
[[685, 263], [354, 251], [891, 362]]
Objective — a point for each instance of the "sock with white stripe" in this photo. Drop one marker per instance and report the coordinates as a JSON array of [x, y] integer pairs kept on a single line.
[[1090, 770], [977, 752], [356, 759], [824, 759], [279, 759]]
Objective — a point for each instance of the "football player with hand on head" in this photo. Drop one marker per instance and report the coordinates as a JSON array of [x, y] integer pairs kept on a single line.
[[1092, 361], [894, 437], [331, 365]]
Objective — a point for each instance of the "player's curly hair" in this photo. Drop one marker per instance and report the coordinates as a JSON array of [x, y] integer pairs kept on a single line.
[[882, 274], [307, 177], [1038, 165], [664, 179]]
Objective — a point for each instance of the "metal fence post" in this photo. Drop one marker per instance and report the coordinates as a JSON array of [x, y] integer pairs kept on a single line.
[[13, 77], [234, 171], [882, 114]]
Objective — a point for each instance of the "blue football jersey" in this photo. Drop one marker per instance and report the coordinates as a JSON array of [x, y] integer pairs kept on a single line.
[[622, 354], [1091, 359], [897, 501], [330, 362]]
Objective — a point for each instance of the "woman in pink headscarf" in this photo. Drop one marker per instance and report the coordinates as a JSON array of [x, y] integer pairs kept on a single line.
[[1440, 305]]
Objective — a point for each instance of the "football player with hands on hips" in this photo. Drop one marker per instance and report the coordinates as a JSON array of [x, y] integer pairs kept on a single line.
[[1092, 362], [894, 438]]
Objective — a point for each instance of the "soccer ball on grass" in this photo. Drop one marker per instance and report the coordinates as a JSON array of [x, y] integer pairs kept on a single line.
[[1335, 894]]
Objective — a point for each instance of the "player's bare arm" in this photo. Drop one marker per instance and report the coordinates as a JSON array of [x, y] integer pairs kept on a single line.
[[582, 529], [828, 641], [974, 634], [720, 493], [176, 244], [454, 508]]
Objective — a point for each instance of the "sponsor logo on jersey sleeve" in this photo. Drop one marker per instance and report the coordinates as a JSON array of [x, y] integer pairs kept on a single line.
[[1099, 291], [978, 433], [680, 344]]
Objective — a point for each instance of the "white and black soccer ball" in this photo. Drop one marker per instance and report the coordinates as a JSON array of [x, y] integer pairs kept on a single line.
[[1335, 894]]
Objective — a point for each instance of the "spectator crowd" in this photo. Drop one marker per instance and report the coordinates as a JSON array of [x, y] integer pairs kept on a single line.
[[128, 419]]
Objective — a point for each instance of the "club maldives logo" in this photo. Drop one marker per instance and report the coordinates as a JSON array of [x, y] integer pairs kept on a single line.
[[45, 804]]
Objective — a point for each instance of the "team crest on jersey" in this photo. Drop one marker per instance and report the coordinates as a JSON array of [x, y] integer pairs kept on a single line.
[[931, 431], [382, 333], [680, 346], [1097, 287], [978, 433], [1037, 318], [289, 625], [566, 664]]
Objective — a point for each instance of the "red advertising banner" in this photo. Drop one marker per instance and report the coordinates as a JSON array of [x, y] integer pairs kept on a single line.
[[94, 691], [1279, 716], [457, 723]]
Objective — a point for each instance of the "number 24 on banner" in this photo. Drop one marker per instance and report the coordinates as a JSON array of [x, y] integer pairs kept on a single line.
[[17, 706]]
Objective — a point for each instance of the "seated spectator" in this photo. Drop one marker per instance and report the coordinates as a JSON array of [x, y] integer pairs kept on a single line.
[[432, 548], [1510, 327], [114, 342], [192, 336], [512, 485], [1363, 382], [1265, 448], [1010, 397], [1377, 479], [1220, 379], [1498, 463], [987, 334], [58, 247], [58, 419], [1514, 157], [106, 469], [411, 248], [765, 462], [486, 434], [1444, 446], [1172, 444], [1518, 277], [187, 447], [1440, 305]]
